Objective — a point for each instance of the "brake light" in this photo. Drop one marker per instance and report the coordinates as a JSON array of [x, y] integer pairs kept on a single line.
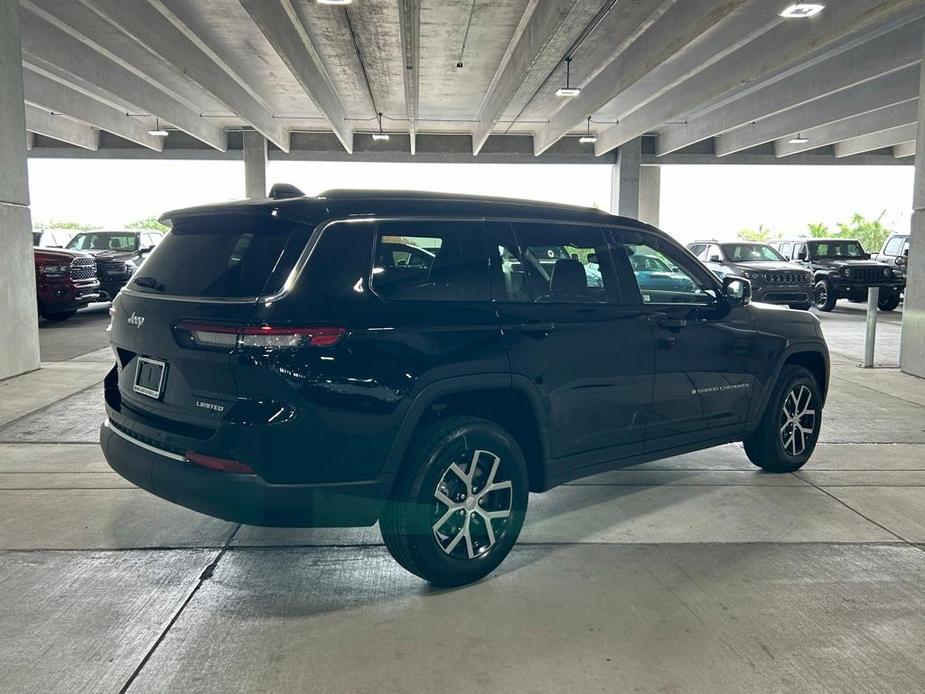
[[219, 464], [262, 336]]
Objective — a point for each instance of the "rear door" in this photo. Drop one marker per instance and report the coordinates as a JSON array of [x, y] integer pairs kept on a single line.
[[568, 330], [207, 273]]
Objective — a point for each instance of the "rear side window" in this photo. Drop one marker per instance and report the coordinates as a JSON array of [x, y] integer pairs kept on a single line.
[[430, 261], [223, 255]]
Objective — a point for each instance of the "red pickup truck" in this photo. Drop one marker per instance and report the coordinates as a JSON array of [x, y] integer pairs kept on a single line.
[[64, 282]]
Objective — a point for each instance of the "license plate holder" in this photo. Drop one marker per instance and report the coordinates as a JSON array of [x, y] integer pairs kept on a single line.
[[149, 377]]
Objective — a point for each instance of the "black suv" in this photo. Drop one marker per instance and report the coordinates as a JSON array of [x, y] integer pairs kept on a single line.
[[299, 362], [774, 279], [843, 270], [118, 254]]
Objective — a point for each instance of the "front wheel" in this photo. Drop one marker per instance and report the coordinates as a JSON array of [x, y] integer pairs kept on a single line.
[[789, 428], [889, 302], [459, 501], [824, 296]]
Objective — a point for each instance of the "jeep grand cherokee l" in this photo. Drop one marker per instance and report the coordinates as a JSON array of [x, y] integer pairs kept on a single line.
[[118, 254], [285, 362], [842, 270], [774, 280]]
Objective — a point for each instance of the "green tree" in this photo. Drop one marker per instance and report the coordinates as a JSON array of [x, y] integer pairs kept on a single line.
[[870, 232], [76, 226], [819, 230], [762, 234], [148, 223]]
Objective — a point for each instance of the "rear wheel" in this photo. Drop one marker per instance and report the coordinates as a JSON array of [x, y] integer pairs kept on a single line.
[[888, 302], [824, 296], [59, 315], [789, 428], [459, 502]]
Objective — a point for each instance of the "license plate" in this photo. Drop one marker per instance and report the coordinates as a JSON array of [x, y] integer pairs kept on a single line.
[[149, 377]]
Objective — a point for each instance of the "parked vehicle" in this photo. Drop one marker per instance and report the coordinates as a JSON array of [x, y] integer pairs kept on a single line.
[[895, 252], [774, 279], [843, 270], [64, 282], [307, 373], [51, 238], [118, 254]]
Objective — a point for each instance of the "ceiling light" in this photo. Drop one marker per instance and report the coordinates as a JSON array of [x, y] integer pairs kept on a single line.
[[333, 2], [381, 136], [568, 90], [589, 138], [158, 131], [802, 10], [798, 140]]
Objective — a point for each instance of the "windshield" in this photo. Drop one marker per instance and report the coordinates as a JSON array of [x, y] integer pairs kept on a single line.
[[751, 253], [104, 241], [836, 249]]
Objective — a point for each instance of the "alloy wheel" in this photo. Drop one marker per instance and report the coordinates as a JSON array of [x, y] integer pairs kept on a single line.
[[822, 294], [798, 421], [472, 506]]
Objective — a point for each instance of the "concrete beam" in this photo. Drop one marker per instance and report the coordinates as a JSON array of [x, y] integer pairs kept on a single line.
[[49, 94], [849, 128], [409, 19], [160, 31], [875, 141], [650, 194], [532, 58], [668, 29], [62, 128], [777, 54], [906, 149], [624, 180], [47, 43], [280, 23], [255, 165]]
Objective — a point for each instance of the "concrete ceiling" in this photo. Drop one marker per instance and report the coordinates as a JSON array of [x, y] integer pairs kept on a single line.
[[718, 77]]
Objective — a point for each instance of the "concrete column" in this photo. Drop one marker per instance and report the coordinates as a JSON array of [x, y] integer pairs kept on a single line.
[[19, 334], [912, 347], [650, 194], [624, 180], [255, 164]]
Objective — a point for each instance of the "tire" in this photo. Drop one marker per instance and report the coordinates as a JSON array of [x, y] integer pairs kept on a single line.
[[457, 550], [823, 296], [888, 303], [801, 307], [775, 445], [58, 316]]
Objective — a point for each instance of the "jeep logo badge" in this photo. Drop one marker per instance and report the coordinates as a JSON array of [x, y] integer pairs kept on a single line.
[[137, 321]]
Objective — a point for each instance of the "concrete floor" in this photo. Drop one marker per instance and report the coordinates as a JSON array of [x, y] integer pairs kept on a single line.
[[694, 574]]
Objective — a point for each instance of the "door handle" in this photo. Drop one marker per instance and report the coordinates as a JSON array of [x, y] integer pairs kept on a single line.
[[534, 328], [671, 323]]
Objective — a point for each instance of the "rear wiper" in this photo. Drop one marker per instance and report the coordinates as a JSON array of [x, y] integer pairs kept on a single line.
[[149, 282]]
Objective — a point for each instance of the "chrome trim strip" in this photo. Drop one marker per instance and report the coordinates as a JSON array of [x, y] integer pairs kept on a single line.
[[141, 444]]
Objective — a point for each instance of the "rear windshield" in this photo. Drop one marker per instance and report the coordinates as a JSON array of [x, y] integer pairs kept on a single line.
[[229, 256]]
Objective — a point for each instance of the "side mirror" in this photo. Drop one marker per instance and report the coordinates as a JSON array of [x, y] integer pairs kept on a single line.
[[146, 249], [737, 291], [801, 255], [592, 258], [865, 256], [715, 259], [905, 252]]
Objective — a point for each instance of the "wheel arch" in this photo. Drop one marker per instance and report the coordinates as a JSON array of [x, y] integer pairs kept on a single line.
[[810, 355]]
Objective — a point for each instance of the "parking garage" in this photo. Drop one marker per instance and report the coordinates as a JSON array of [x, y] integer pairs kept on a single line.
[[697, 572]]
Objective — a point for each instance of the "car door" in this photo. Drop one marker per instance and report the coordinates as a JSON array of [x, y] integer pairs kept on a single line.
[[705, 351], [571, 332], [713, 259]]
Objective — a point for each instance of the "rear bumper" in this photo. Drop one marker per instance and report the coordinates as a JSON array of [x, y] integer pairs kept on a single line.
[[243, 498]]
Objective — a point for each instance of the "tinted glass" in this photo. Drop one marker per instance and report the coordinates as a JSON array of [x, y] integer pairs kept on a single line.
[[227, 255], [661, 274], [550, 263], [430, 261], [93, 241], [751, 253], [836, 249]]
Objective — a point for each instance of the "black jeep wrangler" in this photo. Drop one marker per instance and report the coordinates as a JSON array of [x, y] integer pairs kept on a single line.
[[843, 270], [426, 361]]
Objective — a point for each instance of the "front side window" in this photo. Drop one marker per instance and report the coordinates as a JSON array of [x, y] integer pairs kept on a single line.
[[430, 261], [552, 263], [894, 246], [92, 241], [661, 273]]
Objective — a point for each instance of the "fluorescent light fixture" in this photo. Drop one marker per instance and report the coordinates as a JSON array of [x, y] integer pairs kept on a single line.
[[333, 2], [568, 91], [587, 139], [798, 140], [381, 136], [801, 10], [160, 132]]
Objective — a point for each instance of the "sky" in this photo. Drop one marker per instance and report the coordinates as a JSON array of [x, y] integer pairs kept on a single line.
[[713, 201]]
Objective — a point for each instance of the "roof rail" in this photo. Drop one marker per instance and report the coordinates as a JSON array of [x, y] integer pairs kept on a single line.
[[280, 191]]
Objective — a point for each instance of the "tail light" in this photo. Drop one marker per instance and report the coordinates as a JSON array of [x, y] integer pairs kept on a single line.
[[219, 464], [262, 336]]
